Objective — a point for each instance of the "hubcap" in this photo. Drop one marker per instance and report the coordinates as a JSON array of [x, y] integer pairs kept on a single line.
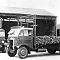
[[23, 52], [11, 51]]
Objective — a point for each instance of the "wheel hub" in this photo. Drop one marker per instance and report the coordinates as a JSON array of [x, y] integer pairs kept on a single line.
[[23, 52]]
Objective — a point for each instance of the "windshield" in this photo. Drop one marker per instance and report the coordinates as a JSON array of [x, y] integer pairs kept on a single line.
[[14, 32], [11, 31], [25, 32]]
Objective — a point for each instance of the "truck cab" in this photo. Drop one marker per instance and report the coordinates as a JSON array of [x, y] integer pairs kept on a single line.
[[20, 38]]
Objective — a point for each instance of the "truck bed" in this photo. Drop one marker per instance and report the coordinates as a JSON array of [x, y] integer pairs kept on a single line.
[[47, 40]]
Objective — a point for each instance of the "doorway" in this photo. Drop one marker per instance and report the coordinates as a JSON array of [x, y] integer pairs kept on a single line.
[[6, 25]]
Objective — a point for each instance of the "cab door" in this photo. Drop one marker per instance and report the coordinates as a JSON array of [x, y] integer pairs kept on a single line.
[[27, 38]]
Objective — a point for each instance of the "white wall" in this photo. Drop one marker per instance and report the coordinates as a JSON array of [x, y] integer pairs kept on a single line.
[[50, 5]]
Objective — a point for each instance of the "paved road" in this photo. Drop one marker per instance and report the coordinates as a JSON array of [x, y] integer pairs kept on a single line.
[[32, 56]]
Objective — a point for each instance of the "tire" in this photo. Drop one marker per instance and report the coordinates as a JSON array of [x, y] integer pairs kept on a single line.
[[51, 50], [23, 52], [12, 53], [2, 49]]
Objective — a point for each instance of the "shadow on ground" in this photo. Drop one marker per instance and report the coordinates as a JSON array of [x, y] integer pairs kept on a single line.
[[42, 55]]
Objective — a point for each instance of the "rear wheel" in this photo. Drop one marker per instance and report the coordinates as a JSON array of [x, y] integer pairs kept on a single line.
[[23, 52], [51, 50]]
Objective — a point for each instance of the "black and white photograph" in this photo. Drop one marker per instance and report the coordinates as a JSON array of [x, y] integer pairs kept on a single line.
[[30, 29]]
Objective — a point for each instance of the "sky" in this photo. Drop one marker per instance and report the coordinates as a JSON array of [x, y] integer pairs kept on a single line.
[[52, 6]]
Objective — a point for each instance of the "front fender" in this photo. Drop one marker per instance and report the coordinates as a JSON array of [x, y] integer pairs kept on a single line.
[[26, 45]]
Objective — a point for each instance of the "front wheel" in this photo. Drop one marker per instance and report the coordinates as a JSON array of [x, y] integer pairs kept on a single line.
[[12, 53], [23, 52]]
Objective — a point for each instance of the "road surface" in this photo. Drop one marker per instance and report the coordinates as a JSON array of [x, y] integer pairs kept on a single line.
[[32, 56]]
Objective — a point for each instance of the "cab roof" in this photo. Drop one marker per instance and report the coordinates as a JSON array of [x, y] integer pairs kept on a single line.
[[21, 28]]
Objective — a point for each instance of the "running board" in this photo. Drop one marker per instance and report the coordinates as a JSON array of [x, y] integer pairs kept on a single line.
[[41, 50]]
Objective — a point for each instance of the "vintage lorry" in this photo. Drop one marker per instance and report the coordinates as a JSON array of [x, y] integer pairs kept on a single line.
[[42, 35], [28, 30]]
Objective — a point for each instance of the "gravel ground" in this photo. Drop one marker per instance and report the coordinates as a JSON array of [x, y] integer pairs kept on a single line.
[[32, 56]]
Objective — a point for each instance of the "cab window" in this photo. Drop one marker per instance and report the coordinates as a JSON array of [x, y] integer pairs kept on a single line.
[[27, 32], [21, 33]]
